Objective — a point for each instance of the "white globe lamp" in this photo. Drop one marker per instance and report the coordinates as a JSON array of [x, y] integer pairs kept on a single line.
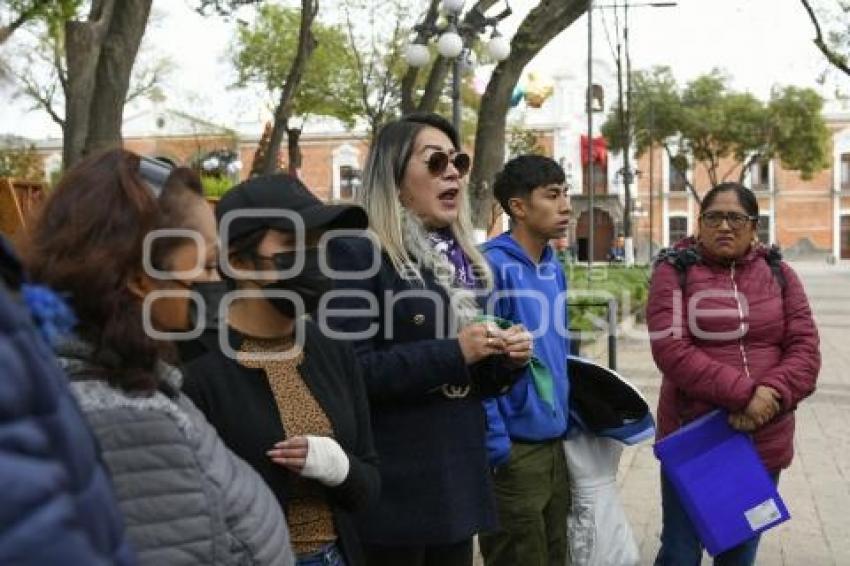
[[499, 48], [417, 55], [450, 44]]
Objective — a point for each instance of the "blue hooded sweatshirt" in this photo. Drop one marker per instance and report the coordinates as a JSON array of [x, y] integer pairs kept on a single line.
[[532, 294]]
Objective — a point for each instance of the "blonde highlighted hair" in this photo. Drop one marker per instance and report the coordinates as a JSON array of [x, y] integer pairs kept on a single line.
[[382, 177]]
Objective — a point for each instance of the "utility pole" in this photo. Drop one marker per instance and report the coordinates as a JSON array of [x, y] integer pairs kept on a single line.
[[590, 177], [627, 168], [626, 123], [456, 103], [651, 174]]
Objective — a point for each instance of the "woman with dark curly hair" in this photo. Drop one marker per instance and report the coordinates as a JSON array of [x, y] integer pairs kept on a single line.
[[129, 242]]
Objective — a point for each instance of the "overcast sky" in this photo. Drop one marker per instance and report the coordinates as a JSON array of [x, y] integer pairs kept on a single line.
[[759, 42]]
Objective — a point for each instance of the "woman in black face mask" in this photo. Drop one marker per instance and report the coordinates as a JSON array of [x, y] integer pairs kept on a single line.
[[283, 396]]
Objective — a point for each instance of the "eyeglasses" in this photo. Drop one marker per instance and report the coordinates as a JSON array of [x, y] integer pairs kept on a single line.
[[438, 162], [735, 220]]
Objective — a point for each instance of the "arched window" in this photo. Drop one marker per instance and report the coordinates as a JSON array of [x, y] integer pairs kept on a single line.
[[349, 182]]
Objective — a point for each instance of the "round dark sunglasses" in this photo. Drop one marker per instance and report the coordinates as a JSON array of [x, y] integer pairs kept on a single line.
[[438, 162]]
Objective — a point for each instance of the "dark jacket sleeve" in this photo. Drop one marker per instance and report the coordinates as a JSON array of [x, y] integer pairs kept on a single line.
[[795, 376], [687, 366], [391, 370], [363, 484]]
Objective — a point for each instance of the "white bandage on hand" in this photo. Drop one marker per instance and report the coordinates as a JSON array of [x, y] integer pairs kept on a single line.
[[326, 461]]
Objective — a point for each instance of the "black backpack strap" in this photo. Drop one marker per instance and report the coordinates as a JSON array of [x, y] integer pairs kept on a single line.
[[681, 259], [774, 260]]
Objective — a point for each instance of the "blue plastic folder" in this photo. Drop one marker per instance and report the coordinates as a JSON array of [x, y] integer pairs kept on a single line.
[[722, 483]]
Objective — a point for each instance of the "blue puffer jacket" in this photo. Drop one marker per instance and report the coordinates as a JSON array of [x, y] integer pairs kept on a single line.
[[56, 503]]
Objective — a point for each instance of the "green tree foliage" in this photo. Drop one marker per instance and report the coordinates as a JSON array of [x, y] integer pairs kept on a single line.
[[264, 53], [523, 142], [21, 162], [706, 123], [17, 13]]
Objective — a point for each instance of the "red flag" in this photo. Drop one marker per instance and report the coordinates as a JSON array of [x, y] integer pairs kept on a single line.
[[599, 149]]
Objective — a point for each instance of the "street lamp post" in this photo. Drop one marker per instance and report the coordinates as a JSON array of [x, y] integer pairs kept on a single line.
[[591, 188], [626, 123], [455, 42]]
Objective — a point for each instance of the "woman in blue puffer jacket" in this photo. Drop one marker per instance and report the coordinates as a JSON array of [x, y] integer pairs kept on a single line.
[[57, 505]]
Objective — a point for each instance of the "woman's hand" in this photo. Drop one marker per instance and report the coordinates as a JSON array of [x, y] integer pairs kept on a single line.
[[741, 422], [317, 457], [479, 340], [519, 346], [763, 406], [291, 454]]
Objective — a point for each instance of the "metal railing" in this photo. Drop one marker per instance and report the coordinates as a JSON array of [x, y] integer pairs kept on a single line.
[[611, 315]]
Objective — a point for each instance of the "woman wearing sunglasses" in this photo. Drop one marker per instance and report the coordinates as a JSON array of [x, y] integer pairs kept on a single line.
[[427, 361], [731, 328]]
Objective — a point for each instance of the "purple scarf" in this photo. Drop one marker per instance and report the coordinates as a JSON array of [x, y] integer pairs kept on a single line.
[[446, 245]]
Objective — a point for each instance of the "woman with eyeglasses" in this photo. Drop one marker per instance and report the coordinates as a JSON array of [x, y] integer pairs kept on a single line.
[[128, 242], [730, 328], [407, 300]]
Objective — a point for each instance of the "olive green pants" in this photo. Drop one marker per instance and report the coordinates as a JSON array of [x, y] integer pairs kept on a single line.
[[533, 500]]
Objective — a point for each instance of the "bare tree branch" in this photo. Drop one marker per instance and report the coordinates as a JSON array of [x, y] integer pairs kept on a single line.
[[408, 82], [42, 96], [745, 167], [546, 20], [59, 65], [306, 45], [365, 76], [837, 60], [683, 173], [148, 79], [435, 85]]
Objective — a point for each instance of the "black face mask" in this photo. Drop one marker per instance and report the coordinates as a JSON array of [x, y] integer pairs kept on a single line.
[[211, 293], [309, 284]]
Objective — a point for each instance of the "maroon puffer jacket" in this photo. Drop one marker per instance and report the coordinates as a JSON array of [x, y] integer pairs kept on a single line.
[[733, 328]]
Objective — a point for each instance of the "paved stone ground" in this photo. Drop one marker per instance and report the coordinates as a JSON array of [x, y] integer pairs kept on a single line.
[[816, 487]]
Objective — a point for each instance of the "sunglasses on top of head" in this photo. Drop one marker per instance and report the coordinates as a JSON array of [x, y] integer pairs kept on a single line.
[[438, 162]]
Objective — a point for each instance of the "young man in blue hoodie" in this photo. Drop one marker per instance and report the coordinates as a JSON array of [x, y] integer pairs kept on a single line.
[[525, 427]]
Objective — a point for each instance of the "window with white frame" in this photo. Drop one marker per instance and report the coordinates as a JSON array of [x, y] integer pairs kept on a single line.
[[764, 228], [677, 228], [760, 175], [349, 182], [347, 176], [678, 180], [845, 171]]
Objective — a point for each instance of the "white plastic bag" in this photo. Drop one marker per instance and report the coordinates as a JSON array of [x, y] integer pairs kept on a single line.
[[598, 530]]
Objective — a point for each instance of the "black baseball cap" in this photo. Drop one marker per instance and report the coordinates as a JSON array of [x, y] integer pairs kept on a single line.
[[285, 193]]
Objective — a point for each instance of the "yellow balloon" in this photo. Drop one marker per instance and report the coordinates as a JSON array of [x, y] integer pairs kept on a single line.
[[537, 90]]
